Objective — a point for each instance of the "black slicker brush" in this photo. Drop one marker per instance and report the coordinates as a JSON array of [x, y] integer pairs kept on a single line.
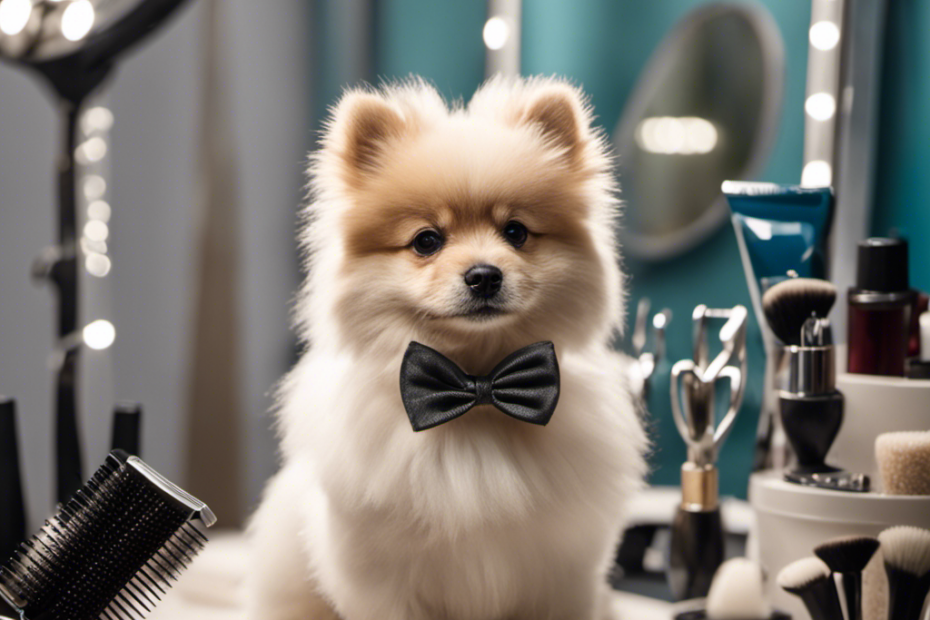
[[111, 552], [907, 563], [811, 581], [849, 556], [788, 304]]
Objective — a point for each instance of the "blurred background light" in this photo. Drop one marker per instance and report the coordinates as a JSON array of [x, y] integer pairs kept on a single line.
[[99, 210], [77, 20], [14, 15], [820, 106], [671, 135], [97, 118], [824, 35], [95, 230], [94, 186], [97, 265], [100, 334], [817, 173], [92, 151], [496, 32]]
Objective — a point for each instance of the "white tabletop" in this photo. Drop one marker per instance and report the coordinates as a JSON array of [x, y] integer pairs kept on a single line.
[[211, 587]]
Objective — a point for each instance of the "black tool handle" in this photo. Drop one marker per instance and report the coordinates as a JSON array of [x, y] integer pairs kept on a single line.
[[812, 424], [696, 552], [64, 274], [127, 428], [906, 594], [822, 600], [12, 506], [852, 589]]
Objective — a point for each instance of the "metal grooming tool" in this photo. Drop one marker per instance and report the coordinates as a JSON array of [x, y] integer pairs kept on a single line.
[[697, 546], [647, 361], [696, 378]]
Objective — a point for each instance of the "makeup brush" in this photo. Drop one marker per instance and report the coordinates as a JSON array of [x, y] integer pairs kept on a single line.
[[788, 304], [904, 462], [736, 592], [849, 556], [111, 552], [810, 580], [907, 564]]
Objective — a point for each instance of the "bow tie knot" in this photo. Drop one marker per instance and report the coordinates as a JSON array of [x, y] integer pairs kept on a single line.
[[524, 385], [483, 391]]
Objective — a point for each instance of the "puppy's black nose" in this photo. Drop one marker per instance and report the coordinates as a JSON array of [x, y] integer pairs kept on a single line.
[[484, 280]]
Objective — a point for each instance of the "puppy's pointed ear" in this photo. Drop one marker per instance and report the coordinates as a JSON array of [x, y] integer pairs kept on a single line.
[[365, 124], [559, 113]]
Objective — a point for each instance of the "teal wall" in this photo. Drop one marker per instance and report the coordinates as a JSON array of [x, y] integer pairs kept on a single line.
[[902, 199], [603, 45]]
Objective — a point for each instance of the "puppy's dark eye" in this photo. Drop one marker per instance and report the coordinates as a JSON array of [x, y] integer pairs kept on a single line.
[[427, 242], [515, 233]]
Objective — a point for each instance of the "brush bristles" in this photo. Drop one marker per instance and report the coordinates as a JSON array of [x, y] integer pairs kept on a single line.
[[111, 552], [802, 574], [904, 462], [849, 554], [736, 592], [907, 549], [789, 303]]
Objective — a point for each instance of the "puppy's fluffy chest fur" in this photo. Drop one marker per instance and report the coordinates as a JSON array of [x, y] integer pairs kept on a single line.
[[480, 517]]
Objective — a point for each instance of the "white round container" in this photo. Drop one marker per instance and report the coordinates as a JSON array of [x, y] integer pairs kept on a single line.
[[791, 520], [876, 405]]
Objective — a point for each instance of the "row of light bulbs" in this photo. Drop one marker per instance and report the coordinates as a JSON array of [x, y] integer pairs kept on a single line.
[[824, 36], [95, 125]]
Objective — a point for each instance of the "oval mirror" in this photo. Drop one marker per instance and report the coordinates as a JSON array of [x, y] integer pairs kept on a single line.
[[705, 110]]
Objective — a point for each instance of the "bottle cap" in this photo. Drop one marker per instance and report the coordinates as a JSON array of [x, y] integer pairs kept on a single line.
[[882, 265]]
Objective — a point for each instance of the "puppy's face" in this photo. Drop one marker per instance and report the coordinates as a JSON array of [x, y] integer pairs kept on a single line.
[[466, 231]]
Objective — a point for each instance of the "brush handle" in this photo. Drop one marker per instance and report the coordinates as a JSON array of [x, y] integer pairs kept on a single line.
[[696, 552], [852, 589], [906, 594], [822, 600], [12, 509], [811, 423]]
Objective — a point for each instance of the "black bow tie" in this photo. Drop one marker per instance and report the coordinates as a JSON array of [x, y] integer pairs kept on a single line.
[[525, 386]]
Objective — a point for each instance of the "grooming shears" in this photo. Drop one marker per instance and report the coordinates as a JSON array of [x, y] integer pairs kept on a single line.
[[694, 416]]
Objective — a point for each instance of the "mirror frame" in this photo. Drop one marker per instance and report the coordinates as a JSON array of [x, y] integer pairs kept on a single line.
[[666, 246]]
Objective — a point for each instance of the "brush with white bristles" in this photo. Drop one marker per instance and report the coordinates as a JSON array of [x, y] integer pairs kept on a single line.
[[811, 581], [904, 462], [736, 592], [907, 564], [788, 304], [849, 556]]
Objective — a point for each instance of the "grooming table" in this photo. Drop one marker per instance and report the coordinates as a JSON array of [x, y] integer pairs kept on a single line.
[[211, 588]]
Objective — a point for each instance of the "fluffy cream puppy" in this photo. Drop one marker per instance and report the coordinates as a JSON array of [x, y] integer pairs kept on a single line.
[[484, 517]]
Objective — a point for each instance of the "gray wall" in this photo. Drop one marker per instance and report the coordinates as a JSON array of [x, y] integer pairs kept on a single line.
[[153, 188]]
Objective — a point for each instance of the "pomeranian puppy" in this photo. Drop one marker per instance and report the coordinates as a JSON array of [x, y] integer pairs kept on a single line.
[[485, 517]]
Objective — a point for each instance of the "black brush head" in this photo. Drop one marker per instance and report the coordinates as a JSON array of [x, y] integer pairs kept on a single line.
[[788, 304], [849, 554], [111, 552]]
